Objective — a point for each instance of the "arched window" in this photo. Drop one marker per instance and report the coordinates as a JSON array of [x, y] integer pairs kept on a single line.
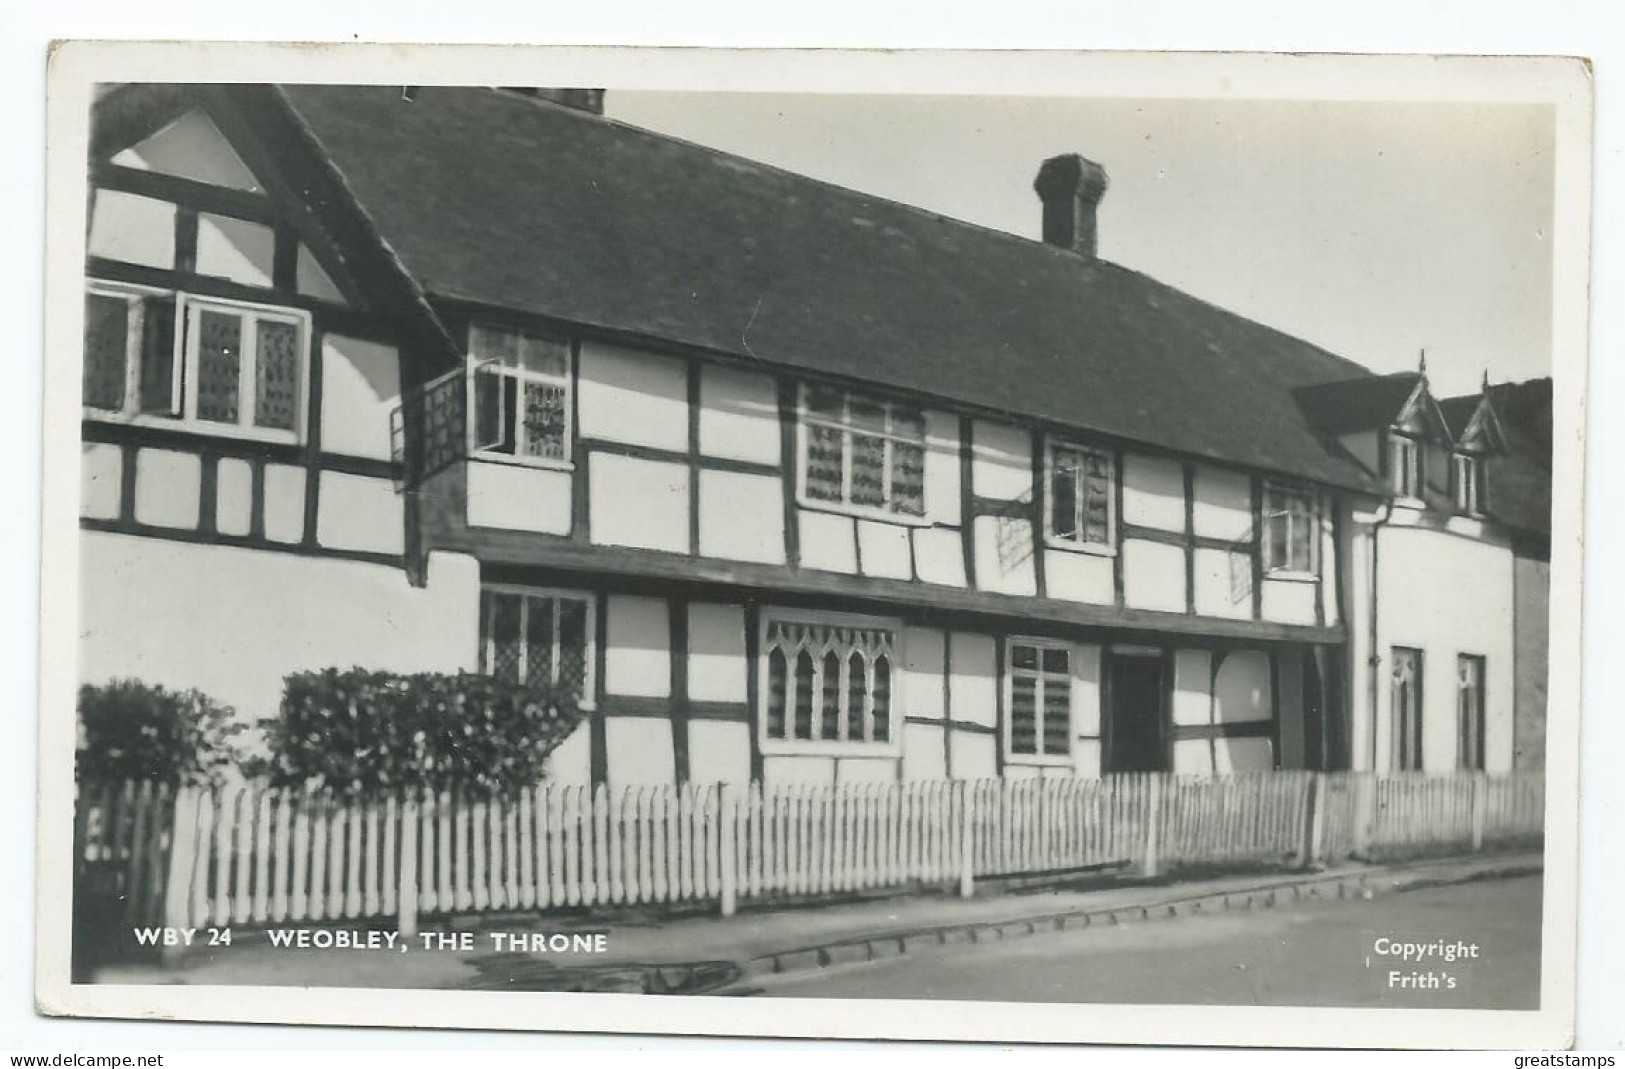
[[881, 719], [804, 695], [857, 693], [827, 682], [830, 706]]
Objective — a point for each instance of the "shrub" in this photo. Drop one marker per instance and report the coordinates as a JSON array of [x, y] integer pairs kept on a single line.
[[360, 730], [134, 730]]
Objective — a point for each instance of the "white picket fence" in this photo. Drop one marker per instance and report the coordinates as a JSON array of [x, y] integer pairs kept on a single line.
[[250, 855]]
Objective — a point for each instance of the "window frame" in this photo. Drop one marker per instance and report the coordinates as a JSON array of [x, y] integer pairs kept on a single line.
[[486, 633], [1475, 762], [770, 746], [1414, 473], [1286, 571], [1055, 541], [1396, 724], [247, 368], [1007, 727], [1468, 477], [518, 375], [184, 357], [845, 507]]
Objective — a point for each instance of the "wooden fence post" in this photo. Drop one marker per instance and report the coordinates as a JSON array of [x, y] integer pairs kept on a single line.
[[1480, 803], [406, 891], [1365, 813], [727, 817], [1153, 820], [1314, 846], [967, 840], [178, 878]]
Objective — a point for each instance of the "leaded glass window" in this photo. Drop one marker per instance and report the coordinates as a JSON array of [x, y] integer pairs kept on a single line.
[[538, 637], [828, 681], [520, 394], [1405, 699], [107, 343], [1040, 698], [1470, 712], [129, 365], [862, 452], [1082, 491]]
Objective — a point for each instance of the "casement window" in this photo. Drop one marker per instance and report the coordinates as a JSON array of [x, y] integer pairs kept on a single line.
[[539, 637], [1291, 531], [829, 684], [1470, 712], [210, 365], [1081, 504], [519, 395], [861, 454], [1038, 701], [1404, 466], [1468, 476], [1405, 710]]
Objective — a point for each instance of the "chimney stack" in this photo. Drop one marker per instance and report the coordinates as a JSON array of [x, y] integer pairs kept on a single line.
[[1071, 187]]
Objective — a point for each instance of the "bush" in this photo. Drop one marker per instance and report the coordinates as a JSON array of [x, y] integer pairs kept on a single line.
[[361, 730], [134, 730]]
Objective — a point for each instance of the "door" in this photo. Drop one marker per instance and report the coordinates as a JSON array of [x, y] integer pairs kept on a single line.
[[1134, 732]]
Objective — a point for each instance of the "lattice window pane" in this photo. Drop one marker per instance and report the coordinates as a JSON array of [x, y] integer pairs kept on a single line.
[[155, 380], [777, 675], [493, 427], [1097, 498], [107, 336], [1057, 715], [868, 470], [539, 641], [277, 371], [545, 408], [1023, 714], [908, 423], [503, 647], [908, 479], [857, 691], [574, 644], [824, 447], [882, 700], [804, 696], [829, 722], [220, 339]]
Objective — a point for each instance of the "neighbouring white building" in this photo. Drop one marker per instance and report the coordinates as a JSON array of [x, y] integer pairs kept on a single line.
[[794, 483]]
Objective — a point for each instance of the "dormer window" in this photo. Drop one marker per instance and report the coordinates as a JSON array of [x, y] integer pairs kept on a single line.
[[1404, 466], [519, 395], [1469, 484]]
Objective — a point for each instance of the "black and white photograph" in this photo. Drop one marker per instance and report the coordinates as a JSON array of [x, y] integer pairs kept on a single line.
[[795, 549]]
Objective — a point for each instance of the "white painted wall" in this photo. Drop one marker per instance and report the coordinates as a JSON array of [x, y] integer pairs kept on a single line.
[[829, 542], [925, 684], [1446, 594], [235, 249], [628, 396], [1223, 505], [191, 147], [942, 491], [312, 279], [131, 228], [284, 503], [866, 770], [939, 556], [1224, 584], [739, 415], [883, 550], [973, 755], [1004, 555], [361, 513], [742, 516], [513, 497], [637, 658], [1153, 575], [1001, 461], [719, 751], [1076, 576], [222, 619], [361, 385], [1086, 722], [167, 485], [925, 752], [791, 769], [1153, 492], [1193, 692], [101, 468], [973, 686], [638, 751], [716, 653], [639, 503], [570, 762], [1241, 689], [1288, 601], [233, 496]]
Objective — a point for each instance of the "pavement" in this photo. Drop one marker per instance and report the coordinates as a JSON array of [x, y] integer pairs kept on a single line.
[[657, 952]]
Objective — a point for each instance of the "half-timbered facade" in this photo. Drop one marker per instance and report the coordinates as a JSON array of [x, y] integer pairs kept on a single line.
[[792, 483]]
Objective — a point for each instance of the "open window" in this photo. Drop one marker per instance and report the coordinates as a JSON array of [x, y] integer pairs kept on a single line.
[[519, 396], [1291, 534], [1080, 508]]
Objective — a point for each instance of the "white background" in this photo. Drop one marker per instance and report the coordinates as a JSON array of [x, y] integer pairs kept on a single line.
[[1486, 26]]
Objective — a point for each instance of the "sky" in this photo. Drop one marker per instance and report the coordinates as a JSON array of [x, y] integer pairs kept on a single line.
[[1373, 230]]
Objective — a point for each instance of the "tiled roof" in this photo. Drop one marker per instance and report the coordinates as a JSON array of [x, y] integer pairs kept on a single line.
[[502, 201]]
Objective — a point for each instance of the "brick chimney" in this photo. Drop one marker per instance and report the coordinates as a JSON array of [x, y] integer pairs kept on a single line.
[[1070, 187]]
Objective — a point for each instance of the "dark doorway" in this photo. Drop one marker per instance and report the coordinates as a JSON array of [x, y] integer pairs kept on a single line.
[[1134, 741]]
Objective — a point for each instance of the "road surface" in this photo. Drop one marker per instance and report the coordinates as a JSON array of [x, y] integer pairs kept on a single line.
[[1315, 954]]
